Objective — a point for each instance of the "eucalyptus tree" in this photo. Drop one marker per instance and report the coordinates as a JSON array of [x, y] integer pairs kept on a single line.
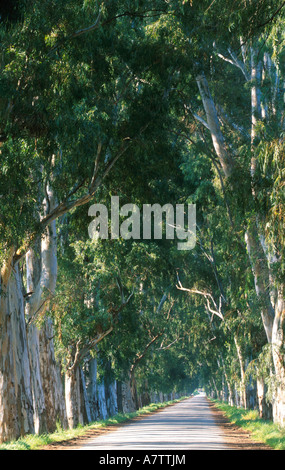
[[79, 95], [233, 106], [217, 275], [85, 310], [74, 101], [265, 261]]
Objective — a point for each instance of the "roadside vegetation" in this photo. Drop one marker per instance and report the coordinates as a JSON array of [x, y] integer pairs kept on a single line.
[[260, 429], [36, 442]]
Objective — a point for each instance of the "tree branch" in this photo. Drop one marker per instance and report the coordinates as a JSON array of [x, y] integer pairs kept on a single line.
[[77, 33], [272, 17], [88, 29], [139, 356], [207, 296], [236, 62], [66, 205], [98, 23]]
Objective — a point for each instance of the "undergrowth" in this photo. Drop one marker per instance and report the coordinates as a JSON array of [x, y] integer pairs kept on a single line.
[[261, 430]]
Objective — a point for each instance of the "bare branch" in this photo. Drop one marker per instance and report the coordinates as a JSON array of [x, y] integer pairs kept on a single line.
[[40, 308], [162, 301], [207, 296], [164, 348], [77, 33], [81, 353], [228, 120], [198, 118], [89, 28], [236, 62]]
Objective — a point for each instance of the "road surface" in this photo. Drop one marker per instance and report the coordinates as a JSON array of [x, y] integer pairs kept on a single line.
[[188, 425]]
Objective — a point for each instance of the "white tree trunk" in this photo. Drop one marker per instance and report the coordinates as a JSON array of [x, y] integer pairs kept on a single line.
[[278, 337], [218, 140], [265, 408], [41, 282], [16, 404], [72, 398], [40, 422]]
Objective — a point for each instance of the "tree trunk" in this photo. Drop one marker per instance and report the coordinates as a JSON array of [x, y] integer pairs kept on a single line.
[[40, 415], [251, 394], [85, 407], [265, 408], [225, 158], [103, 414], [16, 403], [92, 389], [133, 389], [110, 390], [256, 115], [111, 398], [215, 389], [230, 394], [272, 315], [261, 278], [145, 396], [278, 337], [41, 282], [243, 401], [125, 400], [40, 418], [73, 396], [51, 380]]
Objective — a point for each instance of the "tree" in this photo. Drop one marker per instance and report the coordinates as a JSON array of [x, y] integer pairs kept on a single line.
[[86, 104], [257, 65], [69, 122]]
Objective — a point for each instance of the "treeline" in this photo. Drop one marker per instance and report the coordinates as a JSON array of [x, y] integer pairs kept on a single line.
[[156, 103]]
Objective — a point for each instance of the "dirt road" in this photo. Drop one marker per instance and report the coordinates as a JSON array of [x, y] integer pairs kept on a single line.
[[187, 425]]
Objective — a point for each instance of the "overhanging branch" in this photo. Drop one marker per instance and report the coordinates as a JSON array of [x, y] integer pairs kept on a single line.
[[211, 305]]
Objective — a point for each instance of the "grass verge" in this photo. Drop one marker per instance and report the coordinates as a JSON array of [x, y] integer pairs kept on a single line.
[[35, 442], [260, 429]]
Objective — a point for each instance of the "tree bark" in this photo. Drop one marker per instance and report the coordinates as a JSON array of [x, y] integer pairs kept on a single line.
[[85, 406], [145, 396], [75, 396], [265, 408], [51, 379], [103, 413], [41, 282], [261, 278], [16, 403], [278, 332], [92, 389], [218, 140], [111, 397], [40, 418], [125, 399], [133, 388]]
